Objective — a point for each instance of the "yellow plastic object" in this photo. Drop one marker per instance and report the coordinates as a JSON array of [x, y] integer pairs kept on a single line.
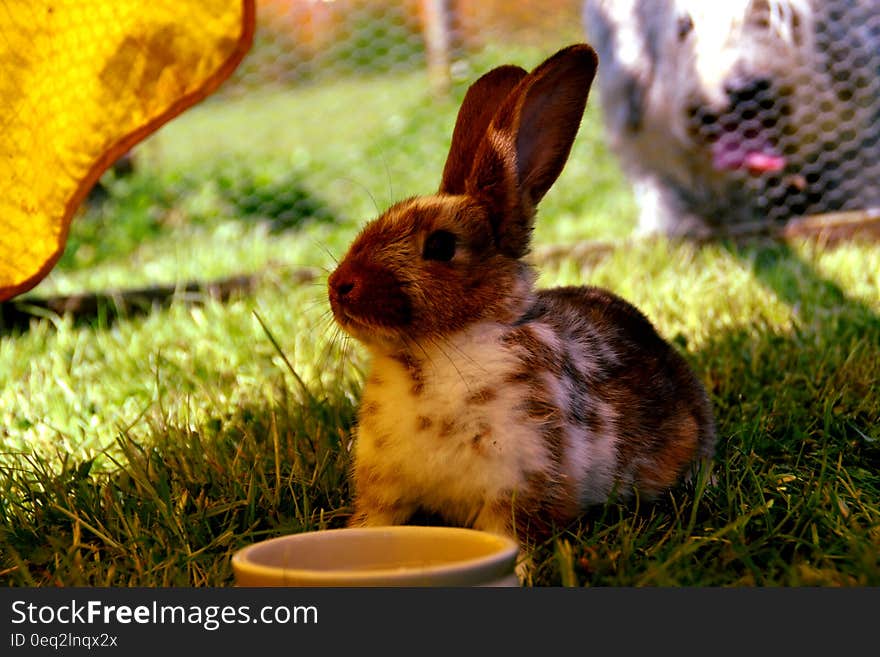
[[81, 82]]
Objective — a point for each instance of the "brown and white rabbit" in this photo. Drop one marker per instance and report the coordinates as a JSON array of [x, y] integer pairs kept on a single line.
[[490, 403]]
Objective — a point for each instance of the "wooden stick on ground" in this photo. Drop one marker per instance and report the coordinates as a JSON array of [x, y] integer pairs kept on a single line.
[[17, 314], [835, 227], [827, 229]]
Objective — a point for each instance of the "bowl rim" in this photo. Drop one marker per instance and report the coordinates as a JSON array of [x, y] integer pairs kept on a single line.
[[496, 563]]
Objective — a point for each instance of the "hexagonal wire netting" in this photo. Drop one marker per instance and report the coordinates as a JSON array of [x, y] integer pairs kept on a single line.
[[743, 111], [804, 138], [307, 40], [829, 125]]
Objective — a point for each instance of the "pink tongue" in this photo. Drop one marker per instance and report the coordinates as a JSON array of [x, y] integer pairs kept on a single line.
[[730, 157], [763, 162], [730, 154]]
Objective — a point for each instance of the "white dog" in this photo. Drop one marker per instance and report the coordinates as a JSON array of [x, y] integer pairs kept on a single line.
[[742, 110]]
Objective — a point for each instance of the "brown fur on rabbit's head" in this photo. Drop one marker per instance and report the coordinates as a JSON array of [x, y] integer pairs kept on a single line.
[[433, 265]]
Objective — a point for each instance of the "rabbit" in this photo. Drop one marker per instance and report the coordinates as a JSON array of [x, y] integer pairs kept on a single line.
[[489, 403]]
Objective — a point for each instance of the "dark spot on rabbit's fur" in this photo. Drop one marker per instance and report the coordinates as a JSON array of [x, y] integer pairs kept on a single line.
[[477, 441], [424, 422], [536, 354], [482, 396], [520, 376], [580, 410], [414, 369], [584, 415], [447, 427], [367, 414], [541, 407], [367, 474]]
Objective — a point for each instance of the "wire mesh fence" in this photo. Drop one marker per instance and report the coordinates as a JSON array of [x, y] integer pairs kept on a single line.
[[302, 40], [750, 110]]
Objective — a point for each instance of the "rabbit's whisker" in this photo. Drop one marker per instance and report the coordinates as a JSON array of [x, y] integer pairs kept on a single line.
[[441, 342], [326, 250]]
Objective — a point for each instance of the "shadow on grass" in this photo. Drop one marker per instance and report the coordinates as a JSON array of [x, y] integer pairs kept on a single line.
[[825, 370], [100, 310]]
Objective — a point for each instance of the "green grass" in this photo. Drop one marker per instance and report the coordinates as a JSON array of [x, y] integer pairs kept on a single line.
[[145, 451]]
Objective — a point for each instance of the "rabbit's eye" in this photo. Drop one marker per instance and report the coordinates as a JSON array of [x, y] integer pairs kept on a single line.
[[440, 245]]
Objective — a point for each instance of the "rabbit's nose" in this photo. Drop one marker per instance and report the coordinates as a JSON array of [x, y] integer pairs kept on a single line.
[[343, 284]]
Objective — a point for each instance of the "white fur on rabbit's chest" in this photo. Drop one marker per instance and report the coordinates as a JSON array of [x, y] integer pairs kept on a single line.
[[449, 426], [451, 431]]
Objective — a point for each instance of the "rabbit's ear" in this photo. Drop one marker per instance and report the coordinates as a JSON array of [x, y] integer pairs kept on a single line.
[[528, 142], [481, 102]]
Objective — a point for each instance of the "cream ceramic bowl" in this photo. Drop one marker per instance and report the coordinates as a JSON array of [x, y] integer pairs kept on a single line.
[[379, 556]]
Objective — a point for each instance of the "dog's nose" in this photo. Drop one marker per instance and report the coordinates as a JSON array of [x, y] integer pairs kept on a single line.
[[745, 89]]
